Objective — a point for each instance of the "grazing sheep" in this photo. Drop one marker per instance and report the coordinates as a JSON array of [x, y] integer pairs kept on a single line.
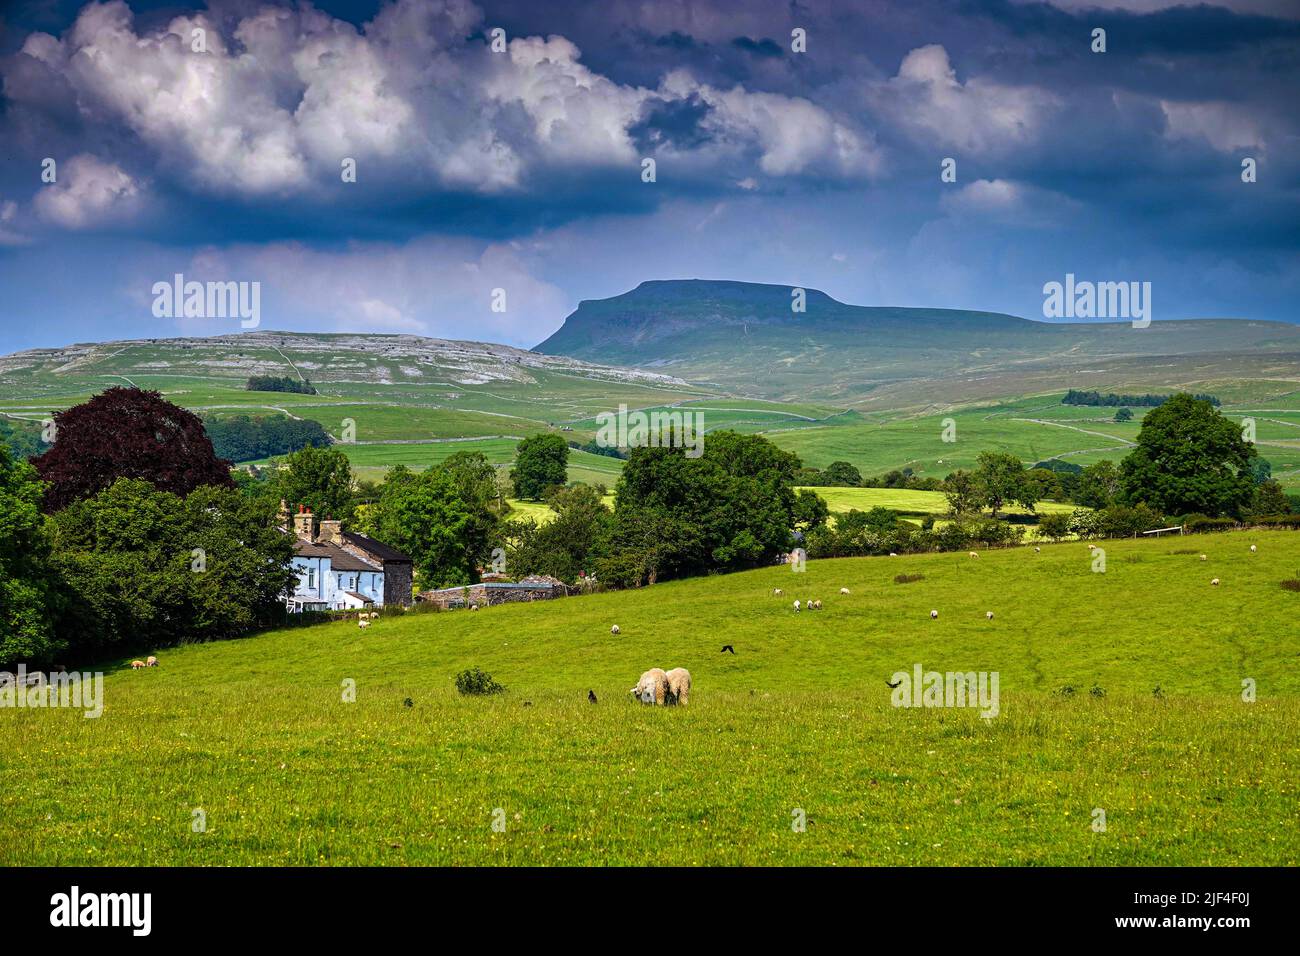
[[1252, 549], [151, 662], [893, 554], [844, 590], [817, 604], [679, 686], [973, 554], [1037, 550], [1215, 582], [652, 687], [777, 592], [989, 615], [796, 606], [363, 622], [137, 665], [933, 615], [473, 607], [614, 629], [1203, 557]]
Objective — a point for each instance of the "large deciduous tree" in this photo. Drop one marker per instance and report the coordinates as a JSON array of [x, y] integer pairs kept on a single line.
[[1189, 459], [149, 568], [733, 507], [321, 479], [28, 586], [127, 433], [541, 463]]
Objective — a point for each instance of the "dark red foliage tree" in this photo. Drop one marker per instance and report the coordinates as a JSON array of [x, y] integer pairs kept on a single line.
[[127, 433]]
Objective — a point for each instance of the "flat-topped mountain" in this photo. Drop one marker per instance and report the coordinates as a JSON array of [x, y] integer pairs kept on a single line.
[[746, 337]]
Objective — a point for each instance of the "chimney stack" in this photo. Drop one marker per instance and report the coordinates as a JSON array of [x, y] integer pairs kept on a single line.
[[331, 532], [303, 523]]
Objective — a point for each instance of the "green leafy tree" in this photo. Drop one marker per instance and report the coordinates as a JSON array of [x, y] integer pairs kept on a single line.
[[426, 516], [1001, 479], [321, 479], [151, 569], [1189, 459], [1099, 485], [733, 507], [28, 585], [842, 473], [964, 495], [541, 463], [566, 544], [1123, 415], [1269, 499]]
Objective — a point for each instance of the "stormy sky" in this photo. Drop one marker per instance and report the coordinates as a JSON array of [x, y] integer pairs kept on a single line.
[[521, 168]]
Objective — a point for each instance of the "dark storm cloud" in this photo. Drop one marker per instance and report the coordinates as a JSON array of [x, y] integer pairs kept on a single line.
[[1064, 156]]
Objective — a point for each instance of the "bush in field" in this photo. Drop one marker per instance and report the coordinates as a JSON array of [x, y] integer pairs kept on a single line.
[[1054, 527], [477, 681]]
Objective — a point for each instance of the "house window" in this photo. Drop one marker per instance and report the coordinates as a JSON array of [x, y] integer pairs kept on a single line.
[[311, 579]]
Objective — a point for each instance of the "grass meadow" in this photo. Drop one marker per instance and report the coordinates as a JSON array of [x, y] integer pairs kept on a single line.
[[797, 724]]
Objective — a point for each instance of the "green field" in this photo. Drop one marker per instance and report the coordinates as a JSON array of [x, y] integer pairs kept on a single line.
[[418, 409], [910, 501], [255, 733]]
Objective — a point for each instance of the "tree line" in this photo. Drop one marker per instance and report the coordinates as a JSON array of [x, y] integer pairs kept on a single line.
[[1077, 397]]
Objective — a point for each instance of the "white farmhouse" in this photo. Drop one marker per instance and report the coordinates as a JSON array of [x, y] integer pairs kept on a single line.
[[340, 570]]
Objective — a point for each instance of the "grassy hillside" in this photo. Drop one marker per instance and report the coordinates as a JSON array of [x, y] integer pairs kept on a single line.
[[910, 501], [415, 401], [254, 732]]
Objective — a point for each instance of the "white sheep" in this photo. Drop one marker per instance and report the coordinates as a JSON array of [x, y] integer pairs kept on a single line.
[[989, 615], [1037, 550], [614, 629], [934, 615], [893, 554], [151, 662], [1215, 582], [679, 686], [777, 592], [1203, 557], [815, 605], [137, 665], [1252, 549], [363, 622], [652, 687], [844, 590], [796, 606], [473, 607], [973, 554]]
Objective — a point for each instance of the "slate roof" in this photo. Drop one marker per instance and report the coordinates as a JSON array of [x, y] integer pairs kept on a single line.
[[376, 549]]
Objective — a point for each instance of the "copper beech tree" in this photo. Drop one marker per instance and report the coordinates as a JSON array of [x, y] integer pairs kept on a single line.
[[127, 433]]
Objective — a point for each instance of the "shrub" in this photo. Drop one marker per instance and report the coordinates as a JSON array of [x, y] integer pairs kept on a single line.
[[476, 681], [1055, 527], [1198, 524], [1292, 584], [908, 578]]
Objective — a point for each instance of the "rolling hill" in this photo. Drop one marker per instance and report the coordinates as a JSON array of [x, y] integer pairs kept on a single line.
[[743, 337]]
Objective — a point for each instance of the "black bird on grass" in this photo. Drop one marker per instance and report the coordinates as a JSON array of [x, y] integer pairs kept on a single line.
[[893, 685], [591, 696], [727, 649], [408, 702]]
